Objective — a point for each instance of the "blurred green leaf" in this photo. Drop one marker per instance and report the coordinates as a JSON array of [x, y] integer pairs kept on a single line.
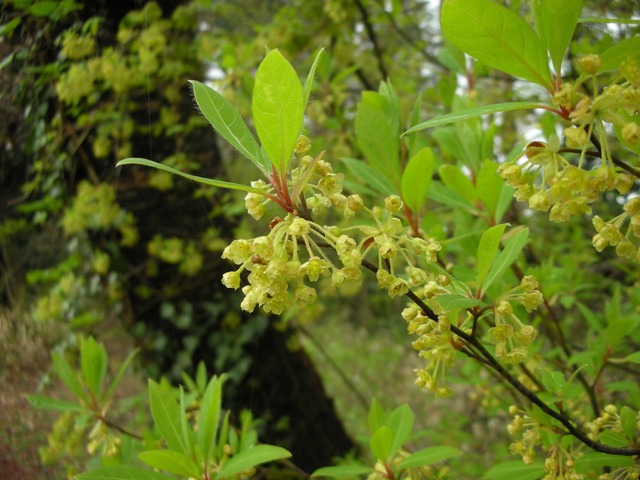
[[210, 410], [381, 443], [628, 421], [515, 470], [377, 136], [377, 416], [167, 417], [416, 179], [401, 423], [428, 456], [455, 301], [172, 462], [453, 177], [366, 174], [45, 403], [616, 56], [343, 471], [512, 249], [116, 380], [487, 251], [67, 375], [472, 113], [122, 472], [250, 458], [94, 363]]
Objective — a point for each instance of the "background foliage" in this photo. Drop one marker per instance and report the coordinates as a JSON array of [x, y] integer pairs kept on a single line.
[[86, 246]]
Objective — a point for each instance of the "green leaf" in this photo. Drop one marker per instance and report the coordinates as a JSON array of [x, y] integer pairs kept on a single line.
[[377, 416], [416, 179], [497, 37], [226, 120], [634, 357], [381, 442], [456, 301], [377, 136], [472, 113], [210, 417], [43, 9], [118, 377], [487, 250], [489, 186], [94, 363], [401, 423], [456, 180], [595, 461], [614, 439], [515, 470], [628, 421], [122, 472], [67, 375], [616, 56], [429, 456], [187, 432], [167, 417], [369, 176], [7, 29], [172, 462], [555, 22], [277, 109], [45, 403], [512, 249], [442, 194], [224, 434], [308, 83], [207, 181], [250, 458], [343, 471]]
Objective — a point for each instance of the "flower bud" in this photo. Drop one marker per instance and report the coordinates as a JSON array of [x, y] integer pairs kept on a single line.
[[231, 280], [355, 202], [529, 283], [631, 133], [575, 137], [590, 63], [303, 145], [393, 203]]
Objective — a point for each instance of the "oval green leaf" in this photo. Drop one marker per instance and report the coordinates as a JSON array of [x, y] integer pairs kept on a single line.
[[250, 458], [487, 251], [416, 179], [122, 472], [429, 456], [555, 22], [515, 470], [226, 120], [381, 442], [172, 462], [342, 471], [497, 37], [277, 109], [512, 249]]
